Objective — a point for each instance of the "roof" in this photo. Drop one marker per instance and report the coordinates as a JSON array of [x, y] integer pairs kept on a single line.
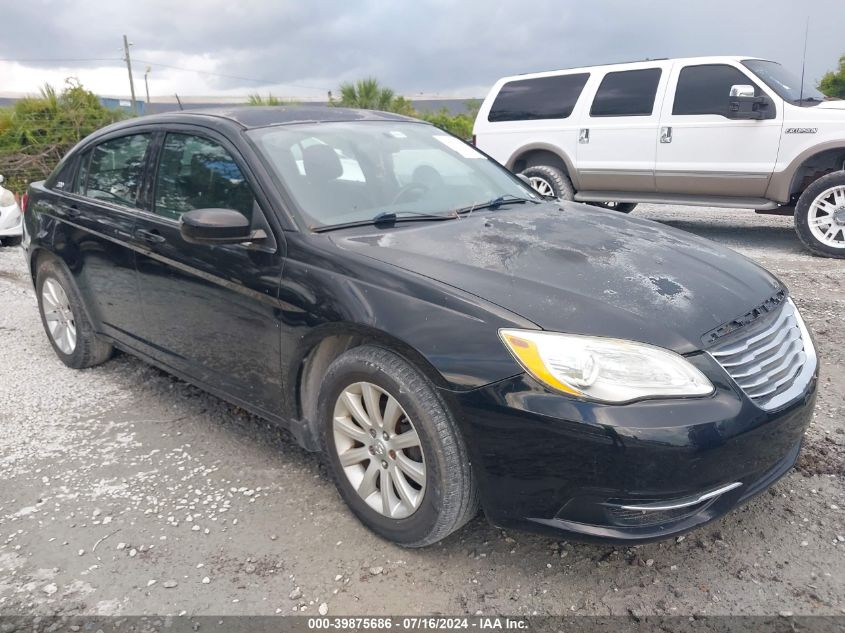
[[264, 116]]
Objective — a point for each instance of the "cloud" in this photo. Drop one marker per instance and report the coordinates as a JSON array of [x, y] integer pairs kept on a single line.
[[428, 46]]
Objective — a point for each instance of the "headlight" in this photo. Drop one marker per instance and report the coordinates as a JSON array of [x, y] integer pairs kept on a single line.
[[606, 369]]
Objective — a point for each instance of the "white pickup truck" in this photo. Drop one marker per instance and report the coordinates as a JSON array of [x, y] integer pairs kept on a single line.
[[713, 131]]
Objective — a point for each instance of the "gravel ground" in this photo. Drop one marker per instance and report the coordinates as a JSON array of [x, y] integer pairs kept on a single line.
[[126, 491]]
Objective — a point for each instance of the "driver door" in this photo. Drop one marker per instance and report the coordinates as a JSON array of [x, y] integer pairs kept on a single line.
[[209, 309]]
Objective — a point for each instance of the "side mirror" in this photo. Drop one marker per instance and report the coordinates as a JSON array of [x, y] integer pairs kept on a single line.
[[217, 226], [742, 104], [742, 90]]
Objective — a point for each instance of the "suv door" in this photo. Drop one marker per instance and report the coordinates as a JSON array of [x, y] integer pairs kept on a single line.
[[616, 144], [702, 151], [100, 201], [209, 310]]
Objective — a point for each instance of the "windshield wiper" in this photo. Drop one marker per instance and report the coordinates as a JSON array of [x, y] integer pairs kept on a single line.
[[495, 203], [388, 218]]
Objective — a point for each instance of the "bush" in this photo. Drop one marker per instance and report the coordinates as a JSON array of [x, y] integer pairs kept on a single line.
[[833, 83], [37, 131]]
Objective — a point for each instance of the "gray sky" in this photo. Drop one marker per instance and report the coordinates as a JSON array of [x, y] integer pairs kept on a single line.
[[304, 48]]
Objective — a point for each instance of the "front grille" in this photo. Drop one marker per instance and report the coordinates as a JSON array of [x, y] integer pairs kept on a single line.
[[766, 360]]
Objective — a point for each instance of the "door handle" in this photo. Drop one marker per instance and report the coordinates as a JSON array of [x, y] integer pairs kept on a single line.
[[150, 237], [666, 135], [584, 136]]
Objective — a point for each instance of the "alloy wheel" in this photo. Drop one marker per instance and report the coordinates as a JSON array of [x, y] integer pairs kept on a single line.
[[826, 217], [543, 186], [379, 450], [59, 316]]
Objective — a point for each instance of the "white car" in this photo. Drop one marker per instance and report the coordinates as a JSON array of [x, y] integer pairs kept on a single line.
[[11, 218], [713, 131]]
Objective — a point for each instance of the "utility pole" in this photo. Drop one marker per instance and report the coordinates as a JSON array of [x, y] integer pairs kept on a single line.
[[129, 69], [147, 86]]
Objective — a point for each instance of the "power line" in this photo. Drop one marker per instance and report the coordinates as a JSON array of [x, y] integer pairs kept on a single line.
[[33, 60]]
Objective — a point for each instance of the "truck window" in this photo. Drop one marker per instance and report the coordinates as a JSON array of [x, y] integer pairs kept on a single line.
[[705, 89], [627, 93], [538, 98]]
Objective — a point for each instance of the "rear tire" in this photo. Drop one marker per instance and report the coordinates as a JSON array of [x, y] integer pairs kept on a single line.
[[820, 216], [65, 320], [550, 181], [11, 241], [359, 389]]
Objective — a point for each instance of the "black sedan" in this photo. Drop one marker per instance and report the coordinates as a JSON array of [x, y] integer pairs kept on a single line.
[[445, 336]]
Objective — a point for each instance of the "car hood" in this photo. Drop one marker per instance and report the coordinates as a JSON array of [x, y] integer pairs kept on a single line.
[[579, 269], [838, 104]]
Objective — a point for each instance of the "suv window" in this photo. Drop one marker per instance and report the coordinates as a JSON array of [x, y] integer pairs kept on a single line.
[[116, 169], [197, 173], [706, 89], [627, 93], [539, 98]]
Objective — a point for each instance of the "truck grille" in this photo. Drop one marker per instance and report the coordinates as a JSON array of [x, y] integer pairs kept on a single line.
[[772, 360]]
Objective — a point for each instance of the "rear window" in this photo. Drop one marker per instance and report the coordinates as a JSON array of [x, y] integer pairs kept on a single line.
[[627, 93], [538, 98]]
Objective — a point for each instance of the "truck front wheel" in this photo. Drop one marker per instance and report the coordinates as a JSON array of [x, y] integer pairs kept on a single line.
[[820, 216]]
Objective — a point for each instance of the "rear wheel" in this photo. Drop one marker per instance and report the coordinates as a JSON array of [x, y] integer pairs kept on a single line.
[[551, 182], [64, 319], [11, 241], [393, 448], [820, 216]]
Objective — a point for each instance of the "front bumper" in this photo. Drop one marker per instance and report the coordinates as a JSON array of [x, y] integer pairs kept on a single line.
[[11, 221], [631, 473]]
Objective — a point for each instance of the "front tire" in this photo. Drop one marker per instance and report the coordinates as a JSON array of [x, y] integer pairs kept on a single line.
[[621, 207], [820, 216], [393, 448], [65, 321]]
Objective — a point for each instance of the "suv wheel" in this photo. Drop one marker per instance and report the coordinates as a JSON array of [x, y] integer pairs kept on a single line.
[[11, 241], [820, 216], [550, 182], [64, 319], [393, 448], [622, 207]]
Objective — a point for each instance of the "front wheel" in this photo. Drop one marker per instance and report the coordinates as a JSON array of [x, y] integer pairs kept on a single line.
[[820, 216], [394, 449], [622, 207]]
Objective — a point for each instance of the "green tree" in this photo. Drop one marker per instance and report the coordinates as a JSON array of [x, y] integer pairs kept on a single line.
[[367, 94], [833, 83], [269, 100], [36, 132]]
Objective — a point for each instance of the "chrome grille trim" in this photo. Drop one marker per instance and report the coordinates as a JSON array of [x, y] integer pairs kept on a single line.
[[773, 362]]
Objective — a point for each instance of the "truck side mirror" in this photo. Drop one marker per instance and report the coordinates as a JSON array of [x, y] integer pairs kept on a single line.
[[742, 104]]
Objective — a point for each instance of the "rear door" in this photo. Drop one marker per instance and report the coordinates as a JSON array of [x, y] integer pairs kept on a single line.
[[618, 135], [701, 150], [209, 310], [100, 202]]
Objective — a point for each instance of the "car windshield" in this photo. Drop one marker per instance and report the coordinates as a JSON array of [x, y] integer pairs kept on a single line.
[[346, 172], [783, 82]]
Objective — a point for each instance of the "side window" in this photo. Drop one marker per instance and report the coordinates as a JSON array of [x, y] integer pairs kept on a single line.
[[116, 169], [196, 173], [64, 179], [538, 98], [706, 89], [627, 93]]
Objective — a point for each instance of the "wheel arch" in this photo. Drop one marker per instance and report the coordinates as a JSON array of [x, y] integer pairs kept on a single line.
[[316, 353], [542, 154], [805, 169]]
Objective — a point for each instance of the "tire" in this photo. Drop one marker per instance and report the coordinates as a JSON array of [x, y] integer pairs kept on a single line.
[[447, 494], [828, 191], [11, 241], [550, 181], [87, 349], [622, 207]]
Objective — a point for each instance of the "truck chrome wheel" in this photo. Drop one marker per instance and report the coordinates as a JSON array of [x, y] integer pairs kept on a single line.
[[826, 217], [59, 316], [379, 450], [543, 187]]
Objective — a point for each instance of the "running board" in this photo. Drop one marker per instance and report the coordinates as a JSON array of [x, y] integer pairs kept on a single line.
[[760, 204]]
